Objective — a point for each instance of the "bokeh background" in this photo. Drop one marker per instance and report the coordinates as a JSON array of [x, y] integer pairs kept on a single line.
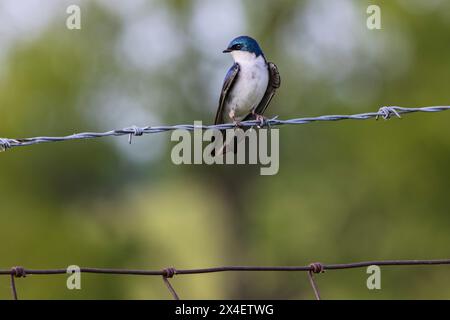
[[346, 191]]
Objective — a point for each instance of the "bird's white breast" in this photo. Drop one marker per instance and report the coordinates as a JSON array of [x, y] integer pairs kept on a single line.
[[250, 86]]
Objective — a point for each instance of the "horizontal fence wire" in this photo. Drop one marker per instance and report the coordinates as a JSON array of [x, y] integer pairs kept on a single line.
[[311, 269], [384, 112], [314, 268]]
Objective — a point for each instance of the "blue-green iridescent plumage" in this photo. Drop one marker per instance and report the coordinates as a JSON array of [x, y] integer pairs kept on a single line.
[[245, 43]]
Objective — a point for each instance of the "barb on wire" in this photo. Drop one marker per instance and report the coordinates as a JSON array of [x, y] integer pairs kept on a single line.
[[384, 112], [314, 268]]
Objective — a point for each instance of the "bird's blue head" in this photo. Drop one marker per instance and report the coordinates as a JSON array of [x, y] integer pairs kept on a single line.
[[244, 43]]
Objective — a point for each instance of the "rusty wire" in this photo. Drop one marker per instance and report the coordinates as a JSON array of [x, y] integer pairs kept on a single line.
[[312, 269]]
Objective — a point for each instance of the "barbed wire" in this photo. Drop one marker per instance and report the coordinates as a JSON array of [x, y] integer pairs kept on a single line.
[[311, 269], [384, 112], [314, 268]]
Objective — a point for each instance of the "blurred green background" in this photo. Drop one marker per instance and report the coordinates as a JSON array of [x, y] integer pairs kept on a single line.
[[346, 191]]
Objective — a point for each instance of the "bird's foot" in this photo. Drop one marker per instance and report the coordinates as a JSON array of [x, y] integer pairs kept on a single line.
[[262, 120], [237, 124]]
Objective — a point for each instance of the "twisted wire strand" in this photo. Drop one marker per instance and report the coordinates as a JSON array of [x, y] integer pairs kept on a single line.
[[384, 112], [313, 268]]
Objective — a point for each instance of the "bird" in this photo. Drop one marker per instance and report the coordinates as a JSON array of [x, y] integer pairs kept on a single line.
[[249, 84]]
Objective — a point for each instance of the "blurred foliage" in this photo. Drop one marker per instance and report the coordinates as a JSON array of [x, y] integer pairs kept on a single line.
[[346, 191]]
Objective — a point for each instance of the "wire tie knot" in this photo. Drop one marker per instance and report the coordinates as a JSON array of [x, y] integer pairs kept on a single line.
[[316, 267], [18, 272], [387, 112], [169, 272], [137, 132]]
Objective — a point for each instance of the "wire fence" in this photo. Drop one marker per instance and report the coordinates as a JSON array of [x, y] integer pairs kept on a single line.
[[384, 112], [166, 274]]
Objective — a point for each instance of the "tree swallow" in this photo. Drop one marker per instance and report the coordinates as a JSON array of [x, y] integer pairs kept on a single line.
[[249, 85]]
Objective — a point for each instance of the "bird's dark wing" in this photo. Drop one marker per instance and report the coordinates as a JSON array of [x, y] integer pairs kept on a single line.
[[227, 85], [274, 84]]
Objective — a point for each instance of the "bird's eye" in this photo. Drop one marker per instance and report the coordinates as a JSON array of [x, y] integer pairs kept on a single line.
[[237, 46]]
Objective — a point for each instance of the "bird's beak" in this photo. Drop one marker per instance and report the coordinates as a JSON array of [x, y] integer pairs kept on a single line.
[[227, 50]]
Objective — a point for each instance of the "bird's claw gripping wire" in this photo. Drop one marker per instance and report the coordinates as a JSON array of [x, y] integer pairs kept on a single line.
[[261, 119], [387, 112]]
